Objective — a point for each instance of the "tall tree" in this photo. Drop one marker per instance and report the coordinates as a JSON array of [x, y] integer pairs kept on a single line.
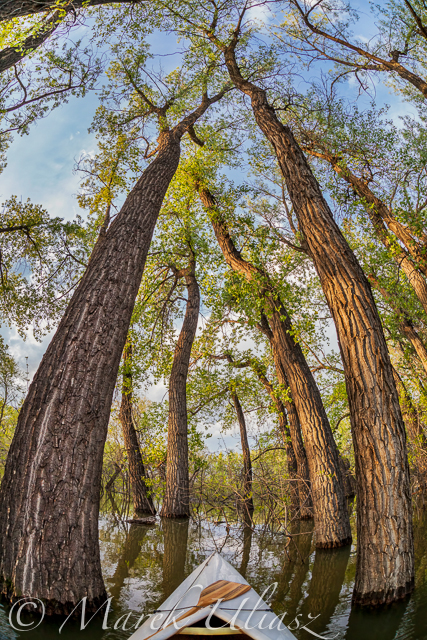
[[330, 511], [378, 430], [247, 503], [49, 498], [142, 501], [176, 503]]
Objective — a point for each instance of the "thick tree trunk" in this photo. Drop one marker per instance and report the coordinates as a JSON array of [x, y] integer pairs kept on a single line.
[[385, 554], [49, 497], [142, 501], [176, 503], [330, 511], [247, 503]]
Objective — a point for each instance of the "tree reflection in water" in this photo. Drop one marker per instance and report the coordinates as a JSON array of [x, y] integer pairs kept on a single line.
[[143, 565]]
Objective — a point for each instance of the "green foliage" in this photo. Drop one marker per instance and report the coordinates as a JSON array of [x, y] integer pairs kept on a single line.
[[41, 260]]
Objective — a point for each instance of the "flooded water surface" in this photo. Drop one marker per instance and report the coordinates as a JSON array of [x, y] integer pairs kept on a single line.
[[144, 564]]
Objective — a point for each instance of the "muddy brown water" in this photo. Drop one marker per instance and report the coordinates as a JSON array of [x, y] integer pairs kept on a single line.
[[144, 564]]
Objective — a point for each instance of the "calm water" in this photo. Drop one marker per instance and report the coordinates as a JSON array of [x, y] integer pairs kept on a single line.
[[143, 565]]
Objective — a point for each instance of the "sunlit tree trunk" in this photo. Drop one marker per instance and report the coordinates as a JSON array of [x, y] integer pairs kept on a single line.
[[385, 552], [49, 496], [142, 501], [330, 510], [176, 503]]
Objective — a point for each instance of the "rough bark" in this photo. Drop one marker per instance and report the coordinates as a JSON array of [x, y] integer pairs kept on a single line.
[[49, 497], [385, 554], [176, 503], [330, 511], [349, 479], [142, 501], [247, 503]]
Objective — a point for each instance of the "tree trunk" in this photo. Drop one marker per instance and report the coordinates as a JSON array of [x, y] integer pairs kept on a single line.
[[247, 501], [176, 503], [330, 510], [349, 479], [49, 497], [142, 501], [385, 553]]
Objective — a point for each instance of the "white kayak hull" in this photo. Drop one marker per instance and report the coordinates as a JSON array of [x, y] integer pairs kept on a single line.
[[248, 613]]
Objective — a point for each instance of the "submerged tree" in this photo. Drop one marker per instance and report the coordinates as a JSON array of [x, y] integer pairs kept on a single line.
[[55, 460], [332, 524], [176, 503], [142, 501]]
